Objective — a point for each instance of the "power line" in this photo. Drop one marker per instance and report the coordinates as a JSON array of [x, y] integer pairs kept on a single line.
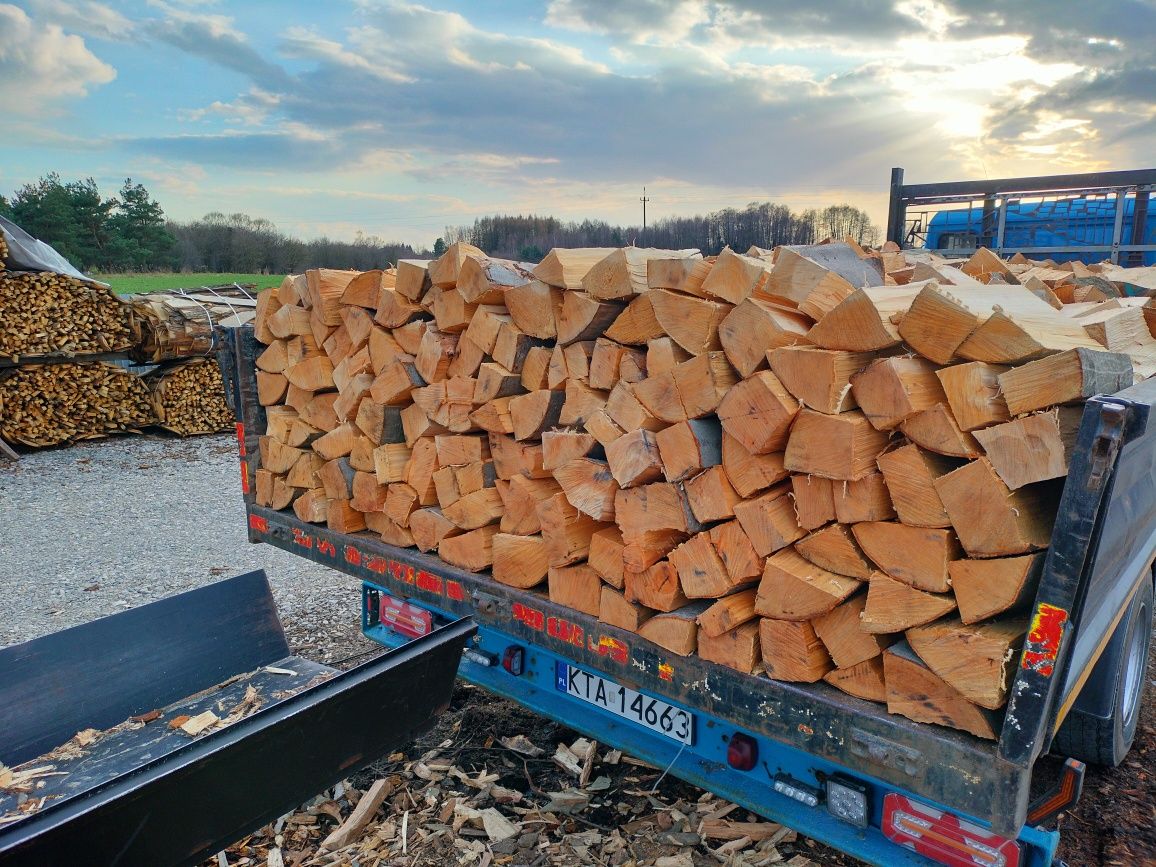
[[644, 200]]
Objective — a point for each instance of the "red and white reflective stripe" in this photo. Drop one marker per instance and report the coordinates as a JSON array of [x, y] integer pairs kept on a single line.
[[944, 837]]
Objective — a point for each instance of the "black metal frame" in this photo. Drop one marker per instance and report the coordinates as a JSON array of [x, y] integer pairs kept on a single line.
[[996, 193]]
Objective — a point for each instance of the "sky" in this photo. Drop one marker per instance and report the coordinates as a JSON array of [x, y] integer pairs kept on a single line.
[[398, 118]]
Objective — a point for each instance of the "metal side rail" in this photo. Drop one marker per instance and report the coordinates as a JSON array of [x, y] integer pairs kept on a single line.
[[150, 794], [802, 734]]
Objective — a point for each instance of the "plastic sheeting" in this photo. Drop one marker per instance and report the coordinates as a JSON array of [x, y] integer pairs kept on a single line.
[[25, 253]]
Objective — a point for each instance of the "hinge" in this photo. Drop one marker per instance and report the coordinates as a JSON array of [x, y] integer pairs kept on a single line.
[[1107, 442]]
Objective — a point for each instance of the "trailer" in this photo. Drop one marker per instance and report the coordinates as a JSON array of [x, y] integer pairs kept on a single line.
[[835, 768]]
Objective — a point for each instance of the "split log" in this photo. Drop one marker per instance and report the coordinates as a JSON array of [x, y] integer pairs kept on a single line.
[[893, 389], [990, 519], [512, 346], [363, 290], [476, 509], [536, 368], [893, 606], [656, 587], [800, 281], [842, 446], [973, 393], [581, 402], [589, 487], [616, 610], [1011, 338], [485, 324], [341, 517], [728, 613], [562, 446], [520, 561], [819, 379], [979, 661], [689, 447], [565, 268], [734, 548], [701, 571], [429, 527], [566, 530], [312, 506], [676, 272], [918, 556], [459, 451], [814, 499], [326, 286], [737, 649], [735, 277], [693, 323], [834, 548], [749, 473], [444, 270], [792, 651], [769, 520], [482, 280], [577, 587], [659, 506], [864, 680], [521, 496], [916, 692], [985, 588], [637, 324], [758, 413], [755, 328], [864, 499], [627, 412], [842, 633], [584, 317], [472, 551], [1063, 378], [793, 588], [862, 321], [536, 412], [711, 496], [391, 462], [534, 309], [937, 431], [676, 631], [512, 458], [394, 383], [910, 473], [1032, 448], [943, 317], [605, 556], [623, 273], [634, 459], [423, 463]]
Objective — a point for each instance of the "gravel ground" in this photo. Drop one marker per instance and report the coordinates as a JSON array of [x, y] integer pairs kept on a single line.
[[111, 524]]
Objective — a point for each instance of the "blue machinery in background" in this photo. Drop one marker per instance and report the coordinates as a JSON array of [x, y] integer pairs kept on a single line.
[[1088, 217]]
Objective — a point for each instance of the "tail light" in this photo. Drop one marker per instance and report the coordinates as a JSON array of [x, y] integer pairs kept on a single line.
[[945, 838], [742, 752], [404, 617]]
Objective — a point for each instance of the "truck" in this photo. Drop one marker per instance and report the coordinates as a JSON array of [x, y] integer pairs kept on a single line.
[[838, 769]]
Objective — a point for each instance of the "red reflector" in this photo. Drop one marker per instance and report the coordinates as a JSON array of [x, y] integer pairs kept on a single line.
[[945, 838], [405, 617], [742, 752]]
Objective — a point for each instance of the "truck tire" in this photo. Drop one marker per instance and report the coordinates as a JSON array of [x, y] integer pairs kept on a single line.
[[1104, 737]]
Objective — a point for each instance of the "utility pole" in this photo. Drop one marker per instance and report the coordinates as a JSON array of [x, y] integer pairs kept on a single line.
[[644, 200]]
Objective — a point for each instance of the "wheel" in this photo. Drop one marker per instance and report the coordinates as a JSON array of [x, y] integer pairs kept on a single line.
[[1103, 735]]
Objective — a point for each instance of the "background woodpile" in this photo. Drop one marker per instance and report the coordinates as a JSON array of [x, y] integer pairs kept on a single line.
[[178, 324], [45, 314], [824, 463], [189, 397]]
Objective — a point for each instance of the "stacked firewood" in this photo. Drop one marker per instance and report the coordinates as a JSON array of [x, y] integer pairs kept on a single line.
[[176, 324], [825, 463], [51, 404], [189, 397], [47, 314]]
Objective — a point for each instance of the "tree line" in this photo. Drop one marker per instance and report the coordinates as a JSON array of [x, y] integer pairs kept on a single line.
[[759, 224], [129, 232]]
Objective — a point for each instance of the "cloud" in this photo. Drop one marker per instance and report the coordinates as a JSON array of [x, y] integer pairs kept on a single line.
[[41, 64], [86, 17]]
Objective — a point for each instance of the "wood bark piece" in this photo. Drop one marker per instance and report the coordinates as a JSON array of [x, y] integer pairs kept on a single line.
[[916, 692], [893, 606], [616, 610], [910, 473], [754, 329], [834, 548], [990, 519], [737, 649], [656, 587], [842, 446], [689, 447], [472, 551], [1032, 448], [622, 273], [819, 378], [937, 431], [985, 588], [842, 633], [814, 500], [918, 556], [711, 496], [979, 660], [520, 561], [793, 588], [864, 680], [634, 459], [729, 612], [534, 308], [589, 487], [893, 389], [735, 277], [749, 473], [676, 631], [692, 323], [605, 556], [584, 317], [1064, 378], [862, 321], [565, 268], [769, 520], [758, 413], [444, 270], [577, 587], [973, 393], [792, 651]]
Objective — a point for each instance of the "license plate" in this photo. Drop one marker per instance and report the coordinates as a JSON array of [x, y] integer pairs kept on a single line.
[[652, 713]]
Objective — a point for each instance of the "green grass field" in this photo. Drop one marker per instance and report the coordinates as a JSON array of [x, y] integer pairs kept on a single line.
[[125, 283]]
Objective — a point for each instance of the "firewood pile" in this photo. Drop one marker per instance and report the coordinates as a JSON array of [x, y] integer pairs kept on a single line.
[[189, 397], [46, 314], [820, 463], [177, 324], [50, 404]]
